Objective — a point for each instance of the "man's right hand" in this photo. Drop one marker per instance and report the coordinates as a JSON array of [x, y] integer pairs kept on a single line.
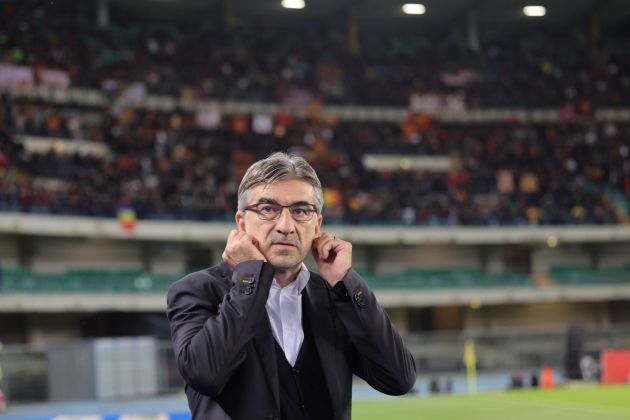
[[241, 247]]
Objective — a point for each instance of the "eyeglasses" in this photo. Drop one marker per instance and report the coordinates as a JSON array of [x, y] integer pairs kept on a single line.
[[272, 211]]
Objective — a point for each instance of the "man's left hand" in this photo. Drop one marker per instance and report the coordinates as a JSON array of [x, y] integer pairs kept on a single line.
[[333, 257]]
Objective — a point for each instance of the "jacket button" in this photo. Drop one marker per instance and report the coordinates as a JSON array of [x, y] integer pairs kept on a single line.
[[359, 299]]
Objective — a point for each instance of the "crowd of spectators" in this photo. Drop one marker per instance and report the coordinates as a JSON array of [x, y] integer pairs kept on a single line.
[[167, 166], [176, 166], [533, 69]]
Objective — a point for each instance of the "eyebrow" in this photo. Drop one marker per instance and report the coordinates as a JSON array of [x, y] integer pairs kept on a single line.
[[267, 200]]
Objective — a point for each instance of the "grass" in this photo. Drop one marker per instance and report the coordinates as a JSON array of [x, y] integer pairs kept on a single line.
[[605, 402]]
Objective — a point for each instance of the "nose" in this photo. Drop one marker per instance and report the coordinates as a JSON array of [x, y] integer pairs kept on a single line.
[[285, 223]]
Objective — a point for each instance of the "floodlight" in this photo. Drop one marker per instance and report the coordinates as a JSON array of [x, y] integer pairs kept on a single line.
[[414, 8], [534, 11], [293, 4]]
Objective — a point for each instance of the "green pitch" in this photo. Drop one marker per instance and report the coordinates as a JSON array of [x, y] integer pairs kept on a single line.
[[606, 403]]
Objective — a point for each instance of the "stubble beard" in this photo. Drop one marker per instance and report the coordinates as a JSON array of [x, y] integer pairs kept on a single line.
[[285, 263], [283, 266]]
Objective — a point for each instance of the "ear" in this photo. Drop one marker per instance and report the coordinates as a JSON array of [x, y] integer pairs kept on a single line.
[[318, 225], [240, 221]]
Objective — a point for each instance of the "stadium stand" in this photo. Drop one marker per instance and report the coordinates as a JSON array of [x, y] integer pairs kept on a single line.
[[170, 167], [170, 164], [540, 69]]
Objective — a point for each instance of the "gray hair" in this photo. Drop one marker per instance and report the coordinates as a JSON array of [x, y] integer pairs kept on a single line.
[[279, 166]]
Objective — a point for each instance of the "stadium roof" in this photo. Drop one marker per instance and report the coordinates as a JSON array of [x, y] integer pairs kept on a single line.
[[439, 13]]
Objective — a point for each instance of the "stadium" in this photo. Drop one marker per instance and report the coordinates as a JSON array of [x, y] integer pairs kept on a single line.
[[476, 153]]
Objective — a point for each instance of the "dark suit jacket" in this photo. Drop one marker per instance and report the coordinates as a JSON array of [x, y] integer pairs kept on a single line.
[[225, 348]]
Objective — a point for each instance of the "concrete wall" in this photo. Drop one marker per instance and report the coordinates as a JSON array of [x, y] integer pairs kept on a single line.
[[535, 316], [396, 258], [169, 259], [614, 255], [544, 258], [400, 317], [44, 329], [8, 251], [56, 255]]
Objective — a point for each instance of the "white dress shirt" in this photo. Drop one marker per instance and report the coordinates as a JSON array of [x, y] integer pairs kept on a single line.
[[284, 307]]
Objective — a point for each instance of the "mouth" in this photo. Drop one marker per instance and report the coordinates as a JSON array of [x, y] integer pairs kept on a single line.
[[284, 244]]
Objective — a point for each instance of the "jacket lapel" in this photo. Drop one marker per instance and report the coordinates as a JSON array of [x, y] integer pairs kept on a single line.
[[264, 345], [317, 303]]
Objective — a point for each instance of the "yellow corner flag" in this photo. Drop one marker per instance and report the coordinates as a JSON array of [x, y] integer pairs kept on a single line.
[[470, 359]]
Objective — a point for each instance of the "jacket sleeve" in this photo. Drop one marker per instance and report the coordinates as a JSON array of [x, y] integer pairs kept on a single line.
[[209, 332], [380, 356]]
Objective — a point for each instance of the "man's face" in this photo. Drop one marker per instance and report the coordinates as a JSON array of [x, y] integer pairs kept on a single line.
[[284, 242]]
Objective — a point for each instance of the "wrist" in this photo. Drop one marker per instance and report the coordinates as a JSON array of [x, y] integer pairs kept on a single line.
[[334, 280]]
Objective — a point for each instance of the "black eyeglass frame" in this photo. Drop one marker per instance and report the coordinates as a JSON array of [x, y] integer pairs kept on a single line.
[[309, 208]]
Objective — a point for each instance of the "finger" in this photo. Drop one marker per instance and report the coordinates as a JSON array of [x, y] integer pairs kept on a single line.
[[325, 247], [318, 244], [242, 236], [232, 235], [237, 236], [315, 243], [322, 238], [229, 243], [314, 251]]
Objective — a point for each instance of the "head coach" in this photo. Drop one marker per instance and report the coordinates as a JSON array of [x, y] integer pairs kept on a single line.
[[259, 336]]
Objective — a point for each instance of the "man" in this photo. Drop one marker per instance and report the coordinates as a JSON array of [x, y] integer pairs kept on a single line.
[[259, 336]]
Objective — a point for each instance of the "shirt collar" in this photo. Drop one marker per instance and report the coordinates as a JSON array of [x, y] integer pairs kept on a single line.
[[299, 283]]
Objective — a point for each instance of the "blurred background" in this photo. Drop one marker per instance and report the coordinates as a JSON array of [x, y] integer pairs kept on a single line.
[[475, 152]]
